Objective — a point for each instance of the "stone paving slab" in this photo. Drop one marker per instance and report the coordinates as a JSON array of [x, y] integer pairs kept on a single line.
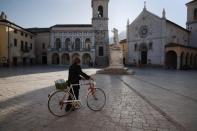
[[23, 106]]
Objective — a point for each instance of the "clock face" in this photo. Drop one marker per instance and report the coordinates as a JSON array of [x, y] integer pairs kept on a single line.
[[143, 31]]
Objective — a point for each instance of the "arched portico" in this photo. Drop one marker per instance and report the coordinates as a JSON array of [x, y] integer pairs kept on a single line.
[[86, 59], [65, 59], [171, 60], [185, 55], [55, 59]]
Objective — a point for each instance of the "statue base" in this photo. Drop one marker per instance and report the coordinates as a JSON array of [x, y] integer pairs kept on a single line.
[[116, 63], [116, 71]]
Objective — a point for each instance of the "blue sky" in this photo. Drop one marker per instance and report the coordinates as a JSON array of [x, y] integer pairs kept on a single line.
[[45, 13]]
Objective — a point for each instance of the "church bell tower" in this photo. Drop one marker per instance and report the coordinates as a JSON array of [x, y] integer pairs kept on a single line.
[[192, 21], [100, 26]]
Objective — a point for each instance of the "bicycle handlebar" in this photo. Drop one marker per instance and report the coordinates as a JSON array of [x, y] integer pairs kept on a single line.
[[87, 83]]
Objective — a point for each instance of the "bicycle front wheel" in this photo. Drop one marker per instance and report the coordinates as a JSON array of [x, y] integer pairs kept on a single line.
[[96, 99], [58, 101]]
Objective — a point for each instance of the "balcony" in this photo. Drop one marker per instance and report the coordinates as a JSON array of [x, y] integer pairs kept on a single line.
[[25, 50]]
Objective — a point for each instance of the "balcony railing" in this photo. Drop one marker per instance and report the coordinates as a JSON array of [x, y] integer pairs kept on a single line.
[[25, 50], [70, 50]]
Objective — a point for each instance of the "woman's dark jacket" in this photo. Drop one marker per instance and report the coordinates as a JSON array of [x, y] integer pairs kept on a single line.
[[75, 74]]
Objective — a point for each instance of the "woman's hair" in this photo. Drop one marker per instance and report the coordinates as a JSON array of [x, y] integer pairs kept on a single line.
[[76, 61]]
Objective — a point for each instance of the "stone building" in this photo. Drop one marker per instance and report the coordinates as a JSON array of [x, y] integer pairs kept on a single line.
[[123, 47], [61, 43], [42, 40], [154, 40], [16, 44]]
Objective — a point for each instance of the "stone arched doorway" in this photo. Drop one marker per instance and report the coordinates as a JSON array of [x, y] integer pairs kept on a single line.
[[75, 55], [65, 59], [44, 59], [86, 59], [144, 53], [171, 60], [55, 59]]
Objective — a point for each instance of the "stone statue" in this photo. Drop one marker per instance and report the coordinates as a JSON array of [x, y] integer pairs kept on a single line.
[[116, 37], [116, 60]]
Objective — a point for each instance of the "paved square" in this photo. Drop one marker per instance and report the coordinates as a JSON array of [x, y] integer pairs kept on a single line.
[[23, 103]]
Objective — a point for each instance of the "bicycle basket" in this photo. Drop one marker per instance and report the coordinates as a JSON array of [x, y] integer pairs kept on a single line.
[[61, 84]]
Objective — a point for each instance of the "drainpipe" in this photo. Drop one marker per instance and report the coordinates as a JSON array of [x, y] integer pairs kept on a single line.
[[8, 60]]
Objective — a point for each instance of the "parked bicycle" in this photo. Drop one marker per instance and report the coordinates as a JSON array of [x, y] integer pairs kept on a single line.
[[58, 99]]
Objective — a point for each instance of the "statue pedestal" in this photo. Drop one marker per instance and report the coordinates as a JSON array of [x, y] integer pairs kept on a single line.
[[116, 63]]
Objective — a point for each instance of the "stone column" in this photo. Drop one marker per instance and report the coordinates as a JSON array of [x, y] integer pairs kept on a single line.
[[73, 44], [178, 62], [60, 59], [49, 58], [82, 44], [62, 41]]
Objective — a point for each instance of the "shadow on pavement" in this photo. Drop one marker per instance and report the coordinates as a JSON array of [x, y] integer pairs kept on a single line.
[[26, 111], [17, 71]]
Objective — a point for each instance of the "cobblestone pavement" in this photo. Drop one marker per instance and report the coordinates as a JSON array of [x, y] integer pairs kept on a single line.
[[171, 92], [23, 106]]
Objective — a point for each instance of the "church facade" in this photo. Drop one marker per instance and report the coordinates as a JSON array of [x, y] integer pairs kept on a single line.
[[61, 43], [154, 40]]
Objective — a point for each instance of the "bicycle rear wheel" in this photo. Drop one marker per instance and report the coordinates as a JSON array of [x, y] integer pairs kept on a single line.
[[58, 101], [96, 100]]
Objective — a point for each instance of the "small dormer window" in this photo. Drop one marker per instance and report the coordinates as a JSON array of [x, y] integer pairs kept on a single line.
[[100, 11], [195, 14]]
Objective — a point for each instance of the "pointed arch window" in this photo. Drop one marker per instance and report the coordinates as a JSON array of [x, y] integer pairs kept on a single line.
[[135, 47], [100, 11], [77, 44], [57, 43], [87, 44], [67, 44]]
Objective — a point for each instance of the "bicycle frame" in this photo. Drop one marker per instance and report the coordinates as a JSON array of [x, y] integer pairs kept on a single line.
[[91, 88], [63, 100]]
